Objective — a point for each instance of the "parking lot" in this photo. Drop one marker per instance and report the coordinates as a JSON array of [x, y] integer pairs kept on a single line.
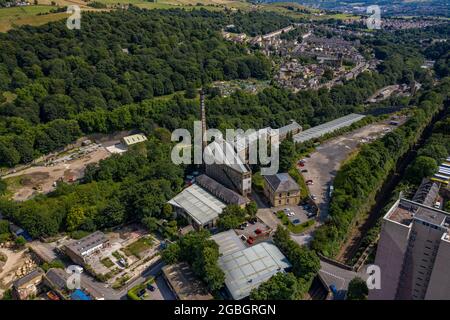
[[160, 292], [296, 214], [258, 231], [322, 165], [270, 218]]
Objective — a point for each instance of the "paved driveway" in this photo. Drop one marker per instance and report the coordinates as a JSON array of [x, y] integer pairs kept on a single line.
[[326, 160]]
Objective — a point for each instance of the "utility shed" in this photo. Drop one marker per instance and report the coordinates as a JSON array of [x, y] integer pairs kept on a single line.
[[133, 139]]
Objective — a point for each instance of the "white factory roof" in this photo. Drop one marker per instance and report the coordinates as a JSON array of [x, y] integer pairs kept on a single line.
[[327, 127], [135, 138], [198, 203], [223, 152], [247, 269], [228, 242]]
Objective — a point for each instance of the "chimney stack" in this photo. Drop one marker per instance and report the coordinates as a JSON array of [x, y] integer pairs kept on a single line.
[[203, 116]]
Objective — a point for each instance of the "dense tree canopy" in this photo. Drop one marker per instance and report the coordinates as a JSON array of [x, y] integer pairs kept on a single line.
[[202, 253], [357, 289], [282, 286], [358, 181]]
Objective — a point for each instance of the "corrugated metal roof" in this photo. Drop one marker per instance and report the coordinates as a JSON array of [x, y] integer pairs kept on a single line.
[[201, 205], [327, 127], [247, 269], [223, 193], [90, 241], [228, 242]]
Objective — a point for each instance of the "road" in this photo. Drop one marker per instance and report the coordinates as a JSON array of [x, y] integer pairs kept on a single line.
[[111, 294]]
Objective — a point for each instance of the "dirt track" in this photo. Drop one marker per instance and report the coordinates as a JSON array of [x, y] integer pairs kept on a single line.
[[40, 179]]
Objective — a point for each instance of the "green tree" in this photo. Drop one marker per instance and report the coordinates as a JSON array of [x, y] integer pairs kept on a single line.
[[171, 254], [251, 209], [3, 187], [287, 155], [357, 289], [75, 218], [447, 206], [421, 167], [20, 241], [150, 223], [232, 216], [282, 286], [191, 92]]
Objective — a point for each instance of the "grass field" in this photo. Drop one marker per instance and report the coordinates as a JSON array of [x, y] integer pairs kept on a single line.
[[107, 262], [39, 14], [139, 246], [17, 16]]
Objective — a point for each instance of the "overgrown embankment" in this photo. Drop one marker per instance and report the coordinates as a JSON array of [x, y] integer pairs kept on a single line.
[[360, 180]]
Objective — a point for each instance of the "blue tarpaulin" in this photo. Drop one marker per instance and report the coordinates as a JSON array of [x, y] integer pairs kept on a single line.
[[79, 295]]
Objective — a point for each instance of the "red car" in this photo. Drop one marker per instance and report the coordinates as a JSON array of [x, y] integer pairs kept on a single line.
[[250, 240], [52, 296], [258, 231]]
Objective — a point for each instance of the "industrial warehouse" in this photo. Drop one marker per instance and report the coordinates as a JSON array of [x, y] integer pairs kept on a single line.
[[320, 130]]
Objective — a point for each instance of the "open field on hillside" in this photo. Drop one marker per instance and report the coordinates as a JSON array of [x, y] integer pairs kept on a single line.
[[39, 14], [36, 15], [10, 17]]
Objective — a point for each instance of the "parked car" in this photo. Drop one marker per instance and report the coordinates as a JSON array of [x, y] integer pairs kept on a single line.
[[243, 237], [250, 240], [304, 170], [309, 182], [311, 214], [296, 221], [253, 221], [258, 231], [141, 293], [151, 287], [314, 197], [301, 164], [52, 296]]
